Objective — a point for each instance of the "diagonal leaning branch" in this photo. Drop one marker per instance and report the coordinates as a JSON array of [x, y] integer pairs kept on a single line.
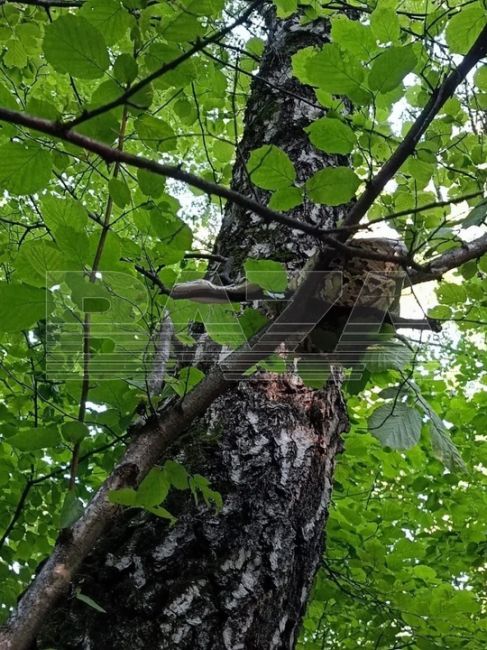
[[451, 259], [55, 576], [407, 146], [359, 209], [111, 155]]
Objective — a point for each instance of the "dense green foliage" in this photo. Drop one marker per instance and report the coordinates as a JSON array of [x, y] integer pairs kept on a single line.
[[405, 565], [406, 540]]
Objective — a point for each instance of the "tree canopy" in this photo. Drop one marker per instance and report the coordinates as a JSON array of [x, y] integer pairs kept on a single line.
[[119, 126]]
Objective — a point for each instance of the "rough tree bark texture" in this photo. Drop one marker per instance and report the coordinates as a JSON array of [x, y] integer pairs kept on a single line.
[[238, 579], [235, 580]]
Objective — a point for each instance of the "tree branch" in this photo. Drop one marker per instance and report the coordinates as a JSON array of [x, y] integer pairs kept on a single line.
[[46, 4], [110, 155], [167, 67], [374, 188], [206, 256], [18, 511], [204, 291], [451, 259], [154, 437], [85, 384], [410, 211], [408, 145], [55, 575]]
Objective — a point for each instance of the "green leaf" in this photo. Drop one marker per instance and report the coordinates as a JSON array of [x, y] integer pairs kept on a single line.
[[175, 237], [74, 431], [331, 135], [125, 68], [21, 306], [223, 151], [36, 260], [477, 215], [420, 170], [353, 36], [285, 8], [300, 62], [272, 363], [204, 7], [222, 325], [176, 473], [424, 572], [90, 602], [141, 100], [88, 296], [35, 438], [42, 109], [7, 99], [123, 496], [155, 133], [463, 29], [442, 444], [440, 311], [396, 425], [153, 490], [333, 185], [480, 78], [269, 275], [188, 378], [71, 511], [119, 192], [385, 24], [106, 91], [390, 68], [336, 73], [251, 321], [109, 17], [15, 56], [452, 294], [104, 127], [74, 46], [198, 483], [24, 169], [181, 27], [286, 198], [271, 168], [162, 513], [388, 356], [65, 212], [314, 375], [151, 184]]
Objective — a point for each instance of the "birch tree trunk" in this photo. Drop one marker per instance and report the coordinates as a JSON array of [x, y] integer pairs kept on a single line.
[[240, 578]]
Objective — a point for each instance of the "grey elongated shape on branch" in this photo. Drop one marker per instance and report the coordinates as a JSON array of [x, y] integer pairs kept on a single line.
[[376, 281], [349, 300]]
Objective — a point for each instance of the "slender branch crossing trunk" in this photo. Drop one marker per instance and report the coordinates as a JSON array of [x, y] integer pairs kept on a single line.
[[240, 578]]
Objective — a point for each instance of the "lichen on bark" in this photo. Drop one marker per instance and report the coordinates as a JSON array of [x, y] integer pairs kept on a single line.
[[233, 579]]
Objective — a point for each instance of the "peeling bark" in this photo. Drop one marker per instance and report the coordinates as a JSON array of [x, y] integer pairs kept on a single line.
[[240, 578], [233, 580], [277, 114]]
